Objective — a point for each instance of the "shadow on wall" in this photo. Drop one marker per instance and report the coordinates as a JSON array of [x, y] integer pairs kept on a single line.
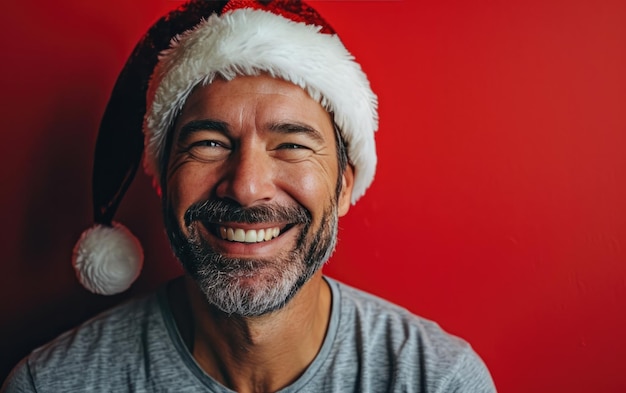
[[43, 297]]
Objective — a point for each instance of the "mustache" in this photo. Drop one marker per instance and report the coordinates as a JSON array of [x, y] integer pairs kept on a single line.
[[222, 210]]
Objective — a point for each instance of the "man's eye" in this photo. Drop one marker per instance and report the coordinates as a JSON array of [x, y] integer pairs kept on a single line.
[[292, 146], [209, 150], [292, 152], [207, 144]]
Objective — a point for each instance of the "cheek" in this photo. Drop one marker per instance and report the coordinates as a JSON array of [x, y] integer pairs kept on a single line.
[[310, 188], [186, 187]]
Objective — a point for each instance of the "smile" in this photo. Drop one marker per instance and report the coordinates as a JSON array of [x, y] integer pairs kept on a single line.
[[248, 236]]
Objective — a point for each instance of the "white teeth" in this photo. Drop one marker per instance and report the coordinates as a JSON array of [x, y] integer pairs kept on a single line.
[[249, 236], [240, 235]]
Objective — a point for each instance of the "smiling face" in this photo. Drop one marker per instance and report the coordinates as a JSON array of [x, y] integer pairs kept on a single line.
[[251, 201]]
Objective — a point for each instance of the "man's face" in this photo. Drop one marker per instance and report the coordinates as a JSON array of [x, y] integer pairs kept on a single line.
[[251, 203]]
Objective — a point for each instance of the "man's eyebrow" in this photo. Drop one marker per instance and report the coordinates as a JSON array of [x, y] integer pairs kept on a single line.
[[202, 125], [297, 128]]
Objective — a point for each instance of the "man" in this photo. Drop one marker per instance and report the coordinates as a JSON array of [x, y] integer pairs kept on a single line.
[[259, 131]]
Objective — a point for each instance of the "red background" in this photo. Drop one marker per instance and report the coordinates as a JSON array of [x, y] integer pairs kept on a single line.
[[498, 207]]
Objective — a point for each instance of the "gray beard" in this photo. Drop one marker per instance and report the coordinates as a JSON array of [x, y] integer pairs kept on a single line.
[[224, 280]]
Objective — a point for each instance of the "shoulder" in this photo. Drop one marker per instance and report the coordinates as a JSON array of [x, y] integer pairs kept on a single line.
[[415, 350], [113, 329], [20, 380], [84, 355], [378, 318]]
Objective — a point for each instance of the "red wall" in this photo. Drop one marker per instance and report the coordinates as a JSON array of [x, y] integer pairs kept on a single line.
[[498, 207]]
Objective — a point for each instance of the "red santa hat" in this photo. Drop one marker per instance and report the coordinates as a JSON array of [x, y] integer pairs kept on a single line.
[[193, 45]]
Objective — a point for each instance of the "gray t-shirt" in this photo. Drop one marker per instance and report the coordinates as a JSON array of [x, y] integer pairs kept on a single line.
[[371, 346]]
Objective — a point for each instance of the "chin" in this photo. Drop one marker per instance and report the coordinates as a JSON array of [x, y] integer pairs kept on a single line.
[[255, 293]]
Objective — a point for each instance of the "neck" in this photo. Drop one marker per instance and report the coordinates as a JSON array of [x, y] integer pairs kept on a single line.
[[250, 354]]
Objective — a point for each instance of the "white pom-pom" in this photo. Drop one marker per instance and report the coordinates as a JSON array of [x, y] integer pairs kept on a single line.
[[107, 259]]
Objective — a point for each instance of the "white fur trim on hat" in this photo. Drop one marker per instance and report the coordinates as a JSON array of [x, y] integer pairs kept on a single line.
[[247, 42], [107, 259]]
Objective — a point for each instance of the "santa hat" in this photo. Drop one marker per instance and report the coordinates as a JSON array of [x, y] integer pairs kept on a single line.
[[193, 45]]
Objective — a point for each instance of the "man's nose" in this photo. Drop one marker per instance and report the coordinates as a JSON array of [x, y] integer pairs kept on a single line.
[[248, 178]]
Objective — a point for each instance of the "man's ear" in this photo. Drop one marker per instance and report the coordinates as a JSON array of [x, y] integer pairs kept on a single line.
[[345, 196]]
